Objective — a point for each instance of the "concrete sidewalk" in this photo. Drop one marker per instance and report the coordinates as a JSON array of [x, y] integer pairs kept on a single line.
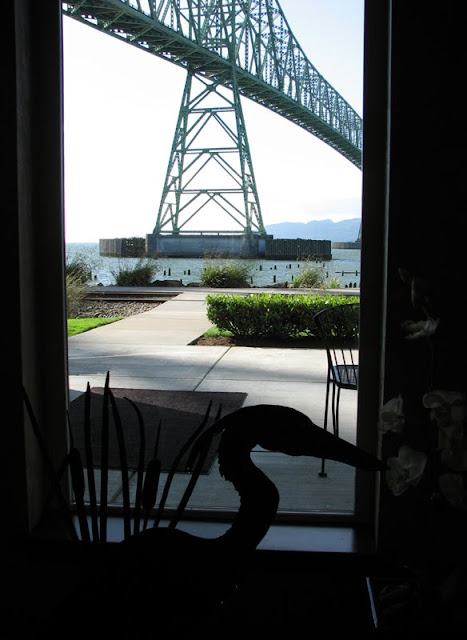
[[153, 350]]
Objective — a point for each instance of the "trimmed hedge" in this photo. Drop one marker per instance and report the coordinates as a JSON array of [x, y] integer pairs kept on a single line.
[[270, 314]]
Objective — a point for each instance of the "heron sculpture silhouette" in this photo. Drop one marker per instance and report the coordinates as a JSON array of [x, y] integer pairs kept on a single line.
[[206, 571], [161, 576]]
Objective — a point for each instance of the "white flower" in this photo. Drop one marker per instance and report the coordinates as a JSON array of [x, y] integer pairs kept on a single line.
[[452, 487], [392, 415], [446, 407], [447, 410], [418, 289], [420, 328], [454, 457], [406, 470]]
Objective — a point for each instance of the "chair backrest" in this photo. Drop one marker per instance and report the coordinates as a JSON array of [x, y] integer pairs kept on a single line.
[[339, 329]]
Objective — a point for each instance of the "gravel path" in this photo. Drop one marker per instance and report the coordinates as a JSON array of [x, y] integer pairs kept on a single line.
[[105, 309]]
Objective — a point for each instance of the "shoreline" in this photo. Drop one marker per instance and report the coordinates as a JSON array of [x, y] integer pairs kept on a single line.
[[344, 266]]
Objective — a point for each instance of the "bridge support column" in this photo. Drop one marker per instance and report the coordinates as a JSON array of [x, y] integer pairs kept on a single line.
[[210, 179]]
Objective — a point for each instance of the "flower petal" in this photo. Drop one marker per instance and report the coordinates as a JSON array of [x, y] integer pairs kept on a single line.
[[420, 329], [441, 397], [392, 415], [405, 470]]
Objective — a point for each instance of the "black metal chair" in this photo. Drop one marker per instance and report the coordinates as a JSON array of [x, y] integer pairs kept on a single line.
[[339, 329]]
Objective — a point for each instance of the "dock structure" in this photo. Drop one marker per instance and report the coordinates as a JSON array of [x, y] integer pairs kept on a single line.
[[347, 245], [297, 249], [122, 247], [220, 245]]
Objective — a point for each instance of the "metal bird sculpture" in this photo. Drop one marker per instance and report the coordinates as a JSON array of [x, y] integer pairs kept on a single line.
[[275, 428], [204, 571], [164, 579]]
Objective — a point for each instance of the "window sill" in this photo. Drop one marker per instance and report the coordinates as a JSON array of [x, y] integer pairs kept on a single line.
[[280, 537]]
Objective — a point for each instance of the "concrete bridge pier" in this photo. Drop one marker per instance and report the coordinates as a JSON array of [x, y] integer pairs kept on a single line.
[[176, 245]]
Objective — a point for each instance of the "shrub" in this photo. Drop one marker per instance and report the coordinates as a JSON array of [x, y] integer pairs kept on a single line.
[[140, 274], [79, 268], [270, 314], [231, 275], [333, 283], [310, 278], [75, 293]]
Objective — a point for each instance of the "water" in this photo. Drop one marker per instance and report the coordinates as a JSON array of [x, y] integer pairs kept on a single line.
[[344, 266]]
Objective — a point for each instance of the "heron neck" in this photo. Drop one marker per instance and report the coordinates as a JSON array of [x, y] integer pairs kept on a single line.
[[259, 500]]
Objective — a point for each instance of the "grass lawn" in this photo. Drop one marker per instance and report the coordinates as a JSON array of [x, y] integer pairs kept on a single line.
[[215, 332], [80, 325], [216, 336]]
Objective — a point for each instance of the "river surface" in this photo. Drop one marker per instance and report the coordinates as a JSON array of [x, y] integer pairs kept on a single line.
[[344, 266]]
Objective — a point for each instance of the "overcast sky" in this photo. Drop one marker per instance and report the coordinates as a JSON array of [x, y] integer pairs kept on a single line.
[[121, 106]]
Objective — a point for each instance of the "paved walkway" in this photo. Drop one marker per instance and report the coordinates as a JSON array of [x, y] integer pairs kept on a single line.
[[154, 350]]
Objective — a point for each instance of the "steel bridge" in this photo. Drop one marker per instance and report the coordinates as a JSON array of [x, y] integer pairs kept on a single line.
[[229, 48]]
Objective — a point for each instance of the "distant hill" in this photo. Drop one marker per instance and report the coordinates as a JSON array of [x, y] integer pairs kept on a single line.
[[344, 231]]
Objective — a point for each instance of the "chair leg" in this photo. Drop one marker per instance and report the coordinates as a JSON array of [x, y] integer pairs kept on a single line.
[[335, 399], [335, 407], [322, 473], [336, 414]]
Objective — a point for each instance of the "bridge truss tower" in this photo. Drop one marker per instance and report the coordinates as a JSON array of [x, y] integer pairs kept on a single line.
[[210, 173]]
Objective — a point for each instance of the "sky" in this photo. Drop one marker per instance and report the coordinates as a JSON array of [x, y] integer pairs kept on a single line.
[[120, 111]]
